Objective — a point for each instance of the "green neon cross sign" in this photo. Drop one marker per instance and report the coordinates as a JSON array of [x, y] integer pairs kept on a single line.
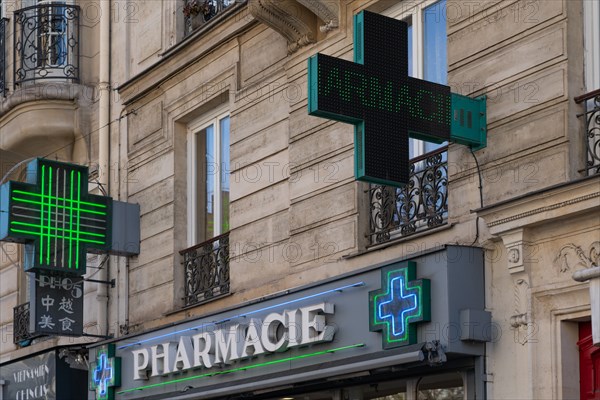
[[386, 105], [55, 216], [401, 302], [105, 373]]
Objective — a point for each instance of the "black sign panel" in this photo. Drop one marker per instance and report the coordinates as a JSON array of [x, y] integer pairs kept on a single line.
[[33, 378], [376, 94], [56, 305], [46, 376]]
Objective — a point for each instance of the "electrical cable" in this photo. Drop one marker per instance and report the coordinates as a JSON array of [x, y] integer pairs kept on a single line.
[[480, 197]]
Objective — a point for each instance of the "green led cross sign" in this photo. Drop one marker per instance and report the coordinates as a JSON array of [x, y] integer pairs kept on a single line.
[[401, 302], [55, 216], [105, 373], [386, 105]]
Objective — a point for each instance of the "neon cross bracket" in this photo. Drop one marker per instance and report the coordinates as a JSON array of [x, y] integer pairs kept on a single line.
[[401, 302], [105, 373], [55, 216], [386, 105]]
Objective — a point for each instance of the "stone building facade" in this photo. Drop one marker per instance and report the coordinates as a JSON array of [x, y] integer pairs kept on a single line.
[[202, 120]]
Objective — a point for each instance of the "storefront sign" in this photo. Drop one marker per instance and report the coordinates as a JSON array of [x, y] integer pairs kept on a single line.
[[56, 305], [353, 323], [220, 346], [105, 373], [30, 379], [55, 216], [386, 105], [401, 302]]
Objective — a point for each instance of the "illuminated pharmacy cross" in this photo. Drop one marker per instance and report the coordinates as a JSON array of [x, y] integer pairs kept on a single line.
[[399, 303], [56, 217], [106, 374], [376, 94]]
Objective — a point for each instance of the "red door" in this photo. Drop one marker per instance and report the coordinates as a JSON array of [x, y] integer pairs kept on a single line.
[[589, 364]]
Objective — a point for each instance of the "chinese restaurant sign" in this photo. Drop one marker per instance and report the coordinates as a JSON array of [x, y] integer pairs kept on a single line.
[[56, 305], [386, 105]]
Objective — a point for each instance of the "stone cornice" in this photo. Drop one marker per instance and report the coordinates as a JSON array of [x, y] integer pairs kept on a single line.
[[559, 202], [289, 18]]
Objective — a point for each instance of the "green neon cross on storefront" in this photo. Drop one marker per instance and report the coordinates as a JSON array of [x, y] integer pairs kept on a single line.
[[386, 105], [55, 216]]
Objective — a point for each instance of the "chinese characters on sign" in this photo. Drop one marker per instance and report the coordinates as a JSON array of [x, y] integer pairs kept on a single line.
[[57, 305]]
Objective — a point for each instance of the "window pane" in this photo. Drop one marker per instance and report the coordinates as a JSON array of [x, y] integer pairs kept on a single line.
[[410, 47], [434, 48], [211, 173], [435, 62], [224, 173]]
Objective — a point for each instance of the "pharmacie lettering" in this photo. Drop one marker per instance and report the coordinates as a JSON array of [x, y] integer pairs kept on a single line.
[[277, 332], [374, 92]]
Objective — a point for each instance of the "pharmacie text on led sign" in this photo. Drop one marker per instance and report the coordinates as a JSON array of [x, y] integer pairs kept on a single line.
[[277, 332], [55, 216]]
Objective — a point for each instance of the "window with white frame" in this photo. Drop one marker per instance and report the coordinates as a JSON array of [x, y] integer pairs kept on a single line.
[[591, 14], [427, 49], [423, 202], [208, 177]]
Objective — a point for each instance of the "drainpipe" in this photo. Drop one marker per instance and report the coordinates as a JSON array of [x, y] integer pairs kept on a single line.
[[104, 148]]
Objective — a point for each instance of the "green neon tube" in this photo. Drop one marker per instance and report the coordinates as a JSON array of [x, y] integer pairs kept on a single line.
[[86, 203], [71, 223], [58, 229], [42, 217], [208, 374], [49, 235], [50, 198], [49, 215]]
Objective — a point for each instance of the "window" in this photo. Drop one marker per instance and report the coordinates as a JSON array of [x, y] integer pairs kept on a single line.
[[427, 49], [46, 41], [208, 178], [52, 33], [591, 14], [422, 203]]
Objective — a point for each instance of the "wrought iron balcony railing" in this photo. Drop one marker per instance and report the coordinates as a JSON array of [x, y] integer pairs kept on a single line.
[[199, 12], [3, 23], [592, 130], [421, 204], [21, 335], [46, 38], [206, 270]]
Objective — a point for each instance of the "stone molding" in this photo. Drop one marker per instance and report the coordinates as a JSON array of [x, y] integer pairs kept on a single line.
[[289, 18], [544, 209], [327, 10], [571, 256]]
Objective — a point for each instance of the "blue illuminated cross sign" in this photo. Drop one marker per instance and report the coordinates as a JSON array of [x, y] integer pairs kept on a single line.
[[399, 303], [386, 105], [55, 216], [105, 373]]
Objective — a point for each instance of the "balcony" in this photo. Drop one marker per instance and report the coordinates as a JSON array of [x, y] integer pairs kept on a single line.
[[420, 205], [21, 336], [197, 13], [46, 43], [3, 23], [206, 270], [592, 130]]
